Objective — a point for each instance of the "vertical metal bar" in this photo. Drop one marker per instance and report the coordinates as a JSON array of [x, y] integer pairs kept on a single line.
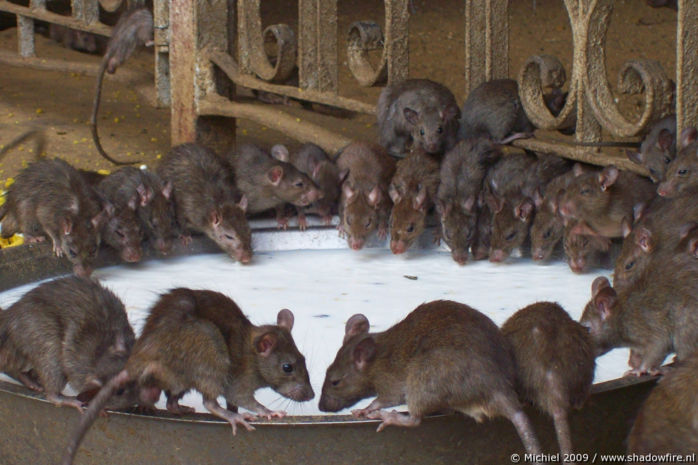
[[161, 19], [86, 11], [182, 69], [396, 40], [25, 36], [317, 45], [687, 65], [487, 58]]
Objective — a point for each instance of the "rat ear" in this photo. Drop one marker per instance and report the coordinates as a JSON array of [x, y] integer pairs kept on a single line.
[[167, 190], [635, 157], [315, 168], [687, 229], [625, 227], [348, 191], [275, 174], [688, 136], [420, 200], [364, 352], [214, 217], [343, 175], [524, 210], [643, 239], [599, 283], [693, 246], [285, 319], [133, 202], [394, 193], [66, 226], [604, 301], [664, 139], [608, 176], [538, 197], [280, 152], [357, 324], [577, 170], [145, 193], [266, 343], [450, 112], [469, 203], [243, 203], [411, 116], [374, 196]]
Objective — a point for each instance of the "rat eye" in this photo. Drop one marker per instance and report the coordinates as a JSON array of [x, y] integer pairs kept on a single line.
[[368, 223], [439, 130], [585, 191], [287, 367], [421, 132], [547, 234], [299, 184], [667, 160], [72, 253], [335, 382], [683, 172], [629, 265], [410, 228], [119, 233], [510, 236]]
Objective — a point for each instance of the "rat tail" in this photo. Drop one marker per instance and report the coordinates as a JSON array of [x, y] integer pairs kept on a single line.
[[90, 415], [95, 111], [36, 134]]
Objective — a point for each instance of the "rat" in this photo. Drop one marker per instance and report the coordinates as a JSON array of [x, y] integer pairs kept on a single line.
[[417, 113], [555, 362], [74, 39], [584, 251], [260, 356], [268, 183], [673, 4], [605, 202], [365, 170], [413, 191], [66, 331], [50, 198], [481, 242], [462, 171], [443, 354], [145, 193], [653, 317], [547, 228], [666, 422], [200, 340], [493, 109], [658, 148], [134, 29], [682, 172], [206, 199], [311, 160]]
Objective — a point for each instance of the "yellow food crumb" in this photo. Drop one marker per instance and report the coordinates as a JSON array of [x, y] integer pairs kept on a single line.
[[9, 182], [298, 120], [39, 111], [116, 120], [84, 139], [75, 142], [153, 139], [104, 172], [158, 156], [11, 242], [244, 132]]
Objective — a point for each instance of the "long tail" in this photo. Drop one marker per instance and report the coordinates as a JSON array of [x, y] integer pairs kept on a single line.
[[90, 415], [95, 111], [37, 134]]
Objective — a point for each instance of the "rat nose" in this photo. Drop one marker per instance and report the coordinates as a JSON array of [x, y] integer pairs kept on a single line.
[[497, 255]]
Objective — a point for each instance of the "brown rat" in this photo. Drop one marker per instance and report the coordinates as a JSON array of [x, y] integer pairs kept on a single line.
[[206, 199], [673, 4], [311, 160], [366, 170], [50, 198], [442, 355], [493, 109], [67, 331], [201, 340], [554, 361], [605, 202], [482, 241], [584, 251], [658, 148], [417, 113], [144, 192], [653, 317], [666, 422], [74, 39], [413, 191], [682, 172], [134, 29], [268, 183], [463, 169]]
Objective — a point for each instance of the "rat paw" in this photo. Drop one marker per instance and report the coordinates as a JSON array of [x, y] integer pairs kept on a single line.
[[302, 223]]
